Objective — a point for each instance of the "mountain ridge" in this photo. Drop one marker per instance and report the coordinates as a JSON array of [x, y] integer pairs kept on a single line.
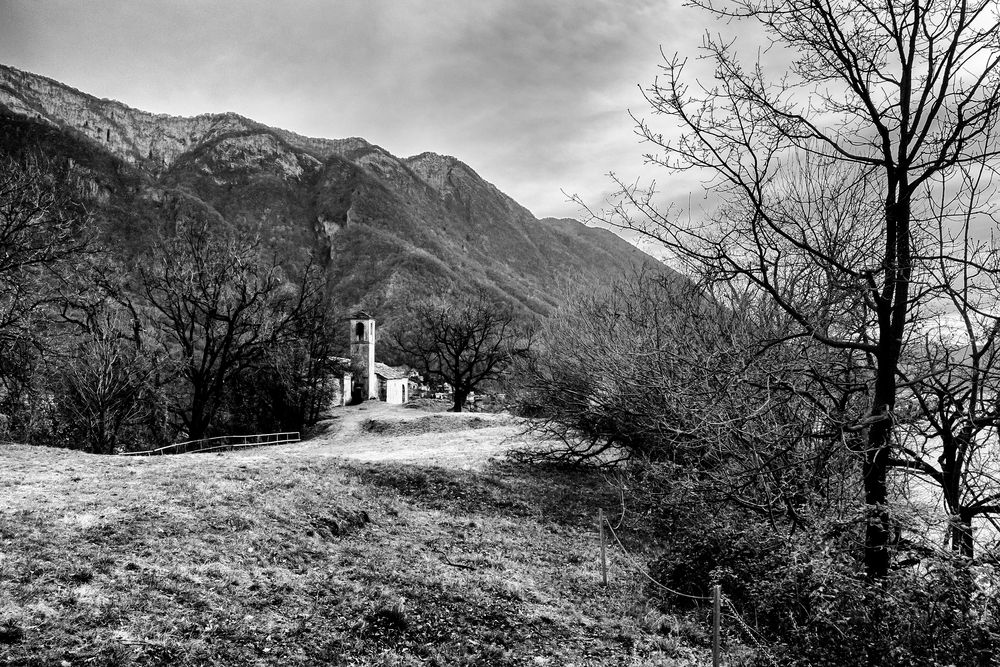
[[390, 229], [164, 138]]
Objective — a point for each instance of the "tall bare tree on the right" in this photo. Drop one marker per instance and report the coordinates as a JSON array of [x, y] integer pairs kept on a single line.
[[852, 188]]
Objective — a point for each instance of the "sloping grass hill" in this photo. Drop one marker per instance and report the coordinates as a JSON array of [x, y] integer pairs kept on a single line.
[[297, 556]]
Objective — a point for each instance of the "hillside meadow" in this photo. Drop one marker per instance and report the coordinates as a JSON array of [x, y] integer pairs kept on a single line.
[[299, 555]]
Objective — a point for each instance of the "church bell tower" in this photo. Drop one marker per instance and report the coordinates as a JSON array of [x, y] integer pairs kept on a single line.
[[362, 334]]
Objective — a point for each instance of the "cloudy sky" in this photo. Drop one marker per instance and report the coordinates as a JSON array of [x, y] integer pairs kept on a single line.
[[534, 95]]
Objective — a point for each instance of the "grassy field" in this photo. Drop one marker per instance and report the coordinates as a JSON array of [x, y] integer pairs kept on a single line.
[[295, 555]]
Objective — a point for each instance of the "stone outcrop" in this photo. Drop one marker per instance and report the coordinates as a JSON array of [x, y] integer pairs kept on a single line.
[[136, 136]]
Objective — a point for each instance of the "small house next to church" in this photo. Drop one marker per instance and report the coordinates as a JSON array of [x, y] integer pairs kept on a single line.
[[393, 384], [372, 380]]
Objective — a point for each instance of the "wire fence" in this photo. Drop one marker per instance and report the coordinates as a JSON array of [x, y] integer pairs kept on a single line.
[[756, 639], [222, 443], [641, 570]]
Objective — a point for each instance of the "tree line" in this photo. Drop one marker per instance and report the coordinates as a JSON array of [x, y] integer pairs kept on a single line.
[[205, 331]]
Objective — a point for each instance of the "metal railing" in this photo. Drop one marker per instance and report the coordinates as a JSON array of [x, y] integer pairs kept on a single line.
[[221, 443]]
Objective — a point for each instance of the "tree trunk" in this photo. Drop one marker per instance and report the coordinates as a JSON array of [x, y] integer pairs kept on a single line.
[[961, 535], [198, 424], [878, 532], [460, 398], [892, 312], [102, 439]]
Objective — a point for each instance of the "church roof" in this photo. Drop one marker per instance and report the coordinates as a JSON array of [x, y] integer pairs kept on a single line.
[[362, 315], [388, 372]]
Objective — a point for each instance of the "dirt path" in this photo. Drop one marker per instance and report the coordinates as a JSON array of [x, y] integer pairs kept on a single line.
[[381, 432]]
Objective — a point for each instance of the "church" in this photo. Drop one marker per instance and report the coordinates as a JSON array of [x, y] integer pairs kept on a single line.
[[368, 379]]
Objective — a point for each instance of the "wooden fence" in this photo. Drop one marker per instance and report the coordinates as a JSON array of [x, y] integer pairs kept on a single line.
[[222, 443]]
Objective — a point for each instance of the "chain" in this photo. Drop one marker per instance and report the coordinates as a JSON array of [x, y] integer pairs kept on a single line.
[[750, 633]]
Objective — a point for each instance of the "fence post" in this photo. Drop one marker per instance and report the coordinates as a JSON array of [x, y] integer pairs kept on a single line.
[[604, 558], [716, 622]]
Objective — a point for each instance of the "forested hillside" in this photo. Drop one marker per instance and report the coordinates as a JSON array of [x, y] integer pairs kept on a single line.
[[387, 230]]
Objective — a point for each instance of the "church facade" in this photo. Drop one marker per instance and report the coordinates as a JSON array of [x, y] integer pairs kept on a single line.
[[372, 380]]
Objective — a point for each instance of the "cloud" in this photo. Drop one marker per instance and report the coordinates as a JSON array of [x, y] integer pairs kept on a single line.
[[533, 95]]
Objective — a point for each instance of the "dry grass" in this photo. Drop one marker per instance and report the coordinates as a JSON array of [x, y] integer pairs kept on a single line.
[[437, 423], [292, 556]]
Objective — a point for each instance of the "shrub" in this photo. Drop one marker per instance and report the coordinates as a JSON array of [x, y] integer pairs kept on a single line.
[[808, 596]]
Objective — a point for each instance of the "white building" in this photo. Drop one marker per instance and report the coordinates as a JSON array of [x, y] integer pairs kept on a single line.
[[393, 384], [372, 380]]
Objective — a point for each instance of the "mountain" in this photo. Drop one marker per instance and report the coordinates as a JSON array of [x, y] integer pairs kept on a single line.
[[389, 229]]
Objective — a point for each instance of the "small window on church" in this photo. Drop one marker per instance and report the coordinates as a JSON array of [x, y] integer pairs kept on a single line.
[[359, 331]]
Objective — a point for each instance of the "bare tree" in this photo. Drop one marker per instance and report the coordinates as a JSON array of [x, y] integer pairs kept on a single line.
[[652, 370], [42, 230], [294, 382], [106, 381], [622, 372], [219, 302], [464, 342], [836, 178], [952, 390]]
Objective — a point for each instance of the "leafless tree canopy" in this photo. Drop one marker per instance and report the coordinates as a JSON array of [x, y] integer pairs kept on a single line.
[[219, 303], [42, 230], [653, 371], [853, 186], [464, 341]]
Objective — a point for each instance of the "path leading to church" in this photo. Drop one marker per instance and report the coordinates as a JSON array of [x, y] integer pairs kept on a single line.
[[376, 431]]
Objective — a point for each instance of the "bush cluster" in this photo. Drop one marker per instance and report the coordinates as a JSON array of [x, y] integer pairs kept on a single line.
[[807, 596]]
